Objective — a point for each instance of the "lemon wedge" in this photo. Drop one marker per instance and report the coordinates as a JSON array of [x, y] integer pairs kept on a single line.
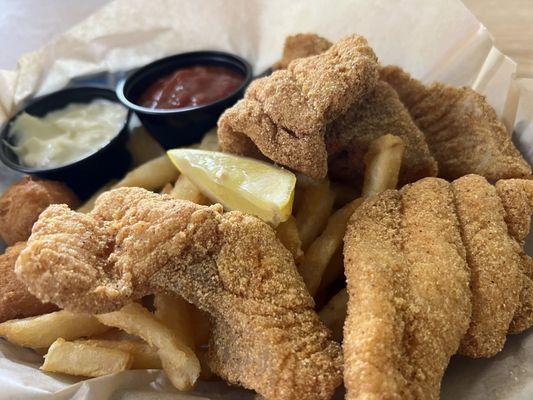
[[239, 183]]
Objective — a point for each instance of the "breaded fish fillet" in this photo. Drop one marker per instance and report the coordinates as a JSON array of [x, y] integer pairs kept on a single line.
[[348, 137], [15, 300], [301, 45], [431, 268], [381, 113], [495, 264], [266, 335], [517, 200], [284, 115], [409, 302], [461, 128]]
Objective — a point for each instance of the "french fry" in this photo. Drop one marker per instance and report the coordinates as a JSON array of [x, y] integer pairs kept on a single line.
[[382, 164], [333, 314], [114, 334], [315, 207], [167, 188], [151, 175], [319, 254], [142, 146], [303, 183], [184, 189], [383, 161], [176, 314], [287, 233], [77, 358], [210, 141], [143, 356], [42, 331], [179, 361]]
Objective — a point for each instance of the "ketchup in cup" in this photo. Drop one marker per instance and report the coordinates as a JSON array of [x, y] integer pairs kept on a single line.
[[191, 86]]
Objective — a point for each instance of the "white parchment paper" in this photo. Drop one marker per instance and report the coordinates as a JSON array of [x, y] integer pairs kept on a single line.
[[434, 40]]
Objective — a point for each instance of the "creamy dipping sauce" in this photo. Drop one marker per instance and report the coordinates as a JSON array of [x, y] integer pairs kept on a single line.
[[66, 135]]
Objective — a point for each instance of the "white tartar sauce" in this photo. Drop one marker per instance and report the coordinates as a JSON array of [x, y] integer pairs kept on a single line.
[[66, 135]]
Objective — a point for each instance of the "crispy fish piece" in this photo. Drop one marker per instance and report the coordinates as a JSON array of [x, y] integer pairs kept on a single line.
[[15, 300], [495, 264], [284, 116], [517, 200], [431, 268], [381, 113], [348, 137], [409, 301], [266, 335], [301, 45], [461, 128]]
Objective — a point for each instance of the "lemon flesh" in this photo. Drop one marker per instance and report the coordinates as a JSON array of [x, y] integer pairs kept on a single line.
[[239, 183]]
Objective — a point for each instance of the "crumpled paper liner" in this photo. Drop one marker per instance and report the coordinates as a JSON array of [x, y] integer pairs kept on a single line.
[[433, 40]]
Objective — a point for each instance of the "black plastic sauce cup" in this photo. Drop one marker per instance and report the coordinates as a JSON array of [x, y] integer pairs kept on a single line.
[[83, 176], [181, 126]]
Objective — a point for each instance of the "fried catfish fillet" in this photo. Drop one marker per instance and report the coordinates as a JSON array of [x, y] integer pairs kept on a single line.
[[284, 116], [381, 113], [461, 128], [15, 300], [409, 301], [517, 200], [495, 264], [301, 45], [348, 136], [266, 335], [431, 269]]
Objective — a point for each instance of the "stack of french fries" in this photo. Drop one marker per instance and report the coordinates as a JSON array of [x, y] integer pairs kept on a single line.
[[175, 334]]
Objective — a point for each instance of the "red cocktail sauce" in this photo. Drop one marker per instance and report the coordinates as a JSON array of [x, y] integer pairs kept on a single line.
[[191, 86]]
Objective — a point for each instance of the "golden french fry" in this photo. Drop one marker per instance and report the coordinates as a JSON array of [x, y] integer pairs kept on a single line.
[[382, 164], [315, 207], [151, 175], [184, 189], [114, 334], [77, 358], [319, 254], [176, 314], [42, 331], [142, 146], [333, 314], [383, 161], [143, 356], [210, 141], [179, 361], [288, 235], [303, 183], [89, 204], [167, 188]]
